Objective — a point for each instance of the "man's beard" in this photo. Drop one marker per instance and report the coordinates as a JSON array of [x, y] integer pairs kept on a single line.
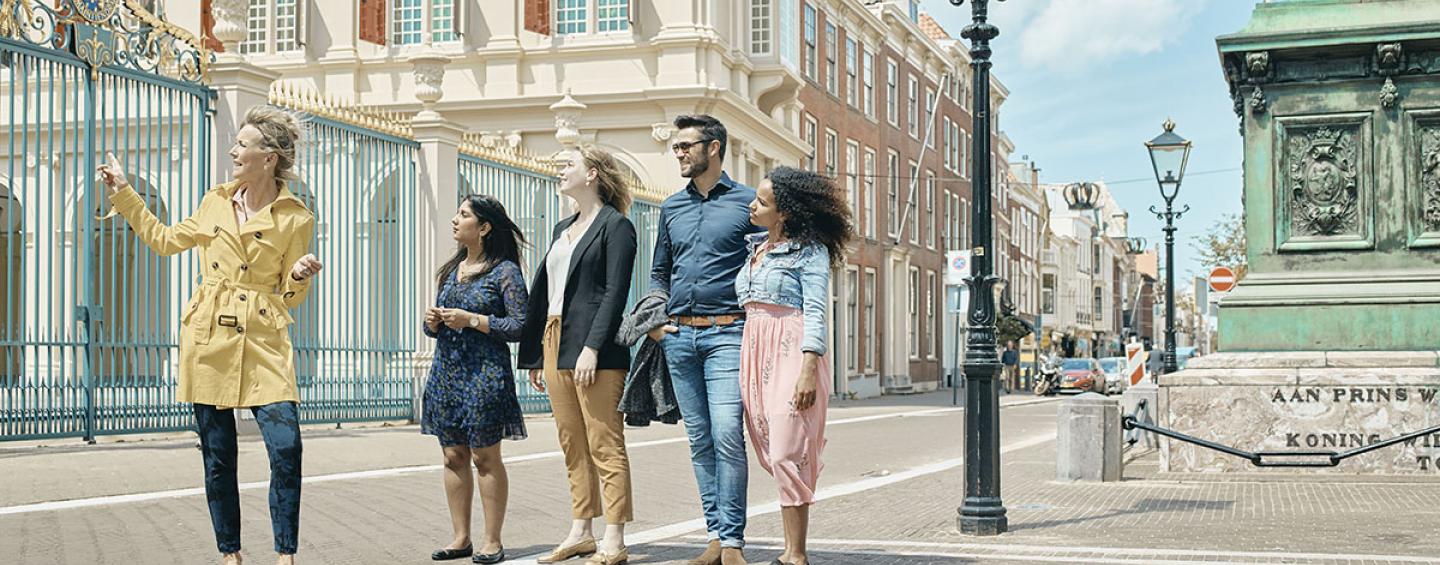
[[699, 167]]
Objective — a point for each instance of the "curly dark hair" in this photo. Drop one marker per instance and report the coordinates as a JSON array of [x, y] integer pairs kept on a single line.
[[815, 210]]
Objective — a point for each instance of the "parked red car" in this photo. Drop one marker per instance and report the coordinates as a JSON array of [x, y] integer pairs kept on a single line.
[[1081, 375]]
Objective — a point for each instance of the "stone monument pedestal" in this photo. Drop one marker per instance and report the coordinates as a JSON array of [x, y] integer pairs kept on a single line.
[[1304, 401]]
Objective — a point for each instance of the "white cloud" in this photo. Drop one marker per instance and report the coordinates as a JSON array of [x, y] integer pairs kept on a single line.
[[1070, 35]]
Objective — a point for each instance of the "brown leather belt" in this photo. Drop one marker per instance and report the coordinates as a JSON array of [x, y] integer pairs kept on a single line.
[[708, 321]]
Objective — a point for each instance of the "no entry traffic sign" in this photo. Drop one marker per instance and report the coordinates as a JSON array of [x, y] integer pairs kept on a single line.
[[1222, 279]]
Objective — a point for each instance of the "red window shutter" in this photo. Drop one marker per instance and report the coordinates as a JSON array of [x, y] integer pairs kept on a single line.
[[372, 21], [207, 25], [537, 16]]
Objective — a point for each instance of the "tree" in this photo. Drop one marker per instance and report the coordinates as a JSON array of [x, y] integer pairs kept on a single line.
[[1224, 244], [1010, 328]]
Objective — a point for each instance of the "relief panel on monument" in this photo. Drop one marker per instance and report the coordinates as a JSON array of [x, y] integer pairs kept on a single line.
[[1325, 185], [1422, 175]]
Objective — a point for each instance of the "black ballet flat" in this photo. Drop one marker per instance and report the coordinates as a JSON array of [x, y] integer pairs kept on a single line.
[[496, 557], [448, 554]]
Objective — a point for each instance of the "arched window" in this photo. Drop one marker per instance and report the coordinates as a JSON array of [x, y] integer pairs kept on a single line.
[[12, 286], [131, 287]]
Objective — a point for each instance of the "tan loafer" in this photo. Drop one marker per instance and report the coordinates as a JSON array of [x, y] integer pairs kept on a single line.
[[602, 558], [710, 557], [581, 548]]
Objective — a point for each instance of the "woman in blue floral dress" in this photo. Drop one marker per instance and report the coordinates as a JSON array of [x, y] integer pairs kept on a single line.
[[470, 402]]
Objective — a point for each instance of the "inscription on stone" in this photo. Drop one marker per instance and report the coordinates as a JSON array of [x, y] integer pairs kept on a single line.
[[1349, 439]]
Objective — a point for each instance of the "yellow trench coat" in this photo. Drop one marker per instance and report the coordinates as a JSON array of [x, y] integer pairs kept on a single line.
[[235, 347]]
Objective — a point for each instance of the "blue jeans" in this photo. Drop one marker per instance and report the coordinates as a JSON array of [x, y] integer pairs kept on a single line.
[[705, 369], [280, 426]]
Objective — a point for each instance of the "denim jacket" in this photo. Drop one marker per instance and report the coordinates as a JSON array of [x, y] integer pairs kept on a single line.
[[790, 275]]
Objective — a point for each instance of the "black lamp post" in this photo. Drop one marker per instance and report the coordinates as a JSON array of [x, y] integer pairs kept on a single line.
[[1168, 154], [982, 513]]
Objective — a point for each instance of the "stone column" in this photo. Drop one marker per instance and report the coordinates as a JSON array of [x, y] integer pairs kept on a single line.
[[238, 87], [1088, 440], [437, 192]]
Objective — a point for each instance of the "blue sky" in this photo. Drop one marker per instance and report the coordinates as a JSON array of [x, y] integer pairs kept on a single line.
[[1091, 80]]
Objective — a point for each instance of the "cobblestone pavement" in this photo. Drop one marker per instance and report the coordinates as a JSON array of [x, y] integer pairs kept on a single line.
[[891, 486]]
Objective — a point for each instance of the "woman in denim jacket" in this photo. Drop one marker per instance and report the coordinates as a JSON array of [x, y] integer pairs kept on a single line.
[[784, 288]]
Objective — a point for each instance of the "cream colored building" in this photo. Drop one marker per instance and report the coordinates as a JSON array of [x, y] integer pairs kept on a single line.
[[628, 74]]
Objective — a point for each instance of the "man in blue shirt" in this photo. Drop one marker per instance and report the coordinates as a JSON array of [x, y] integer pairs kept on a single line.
[[699, 249]]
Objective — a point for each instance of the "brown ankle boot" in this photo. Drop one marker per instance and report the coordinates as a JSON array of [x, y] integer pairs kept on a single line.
[[711, 555], [732, 556]]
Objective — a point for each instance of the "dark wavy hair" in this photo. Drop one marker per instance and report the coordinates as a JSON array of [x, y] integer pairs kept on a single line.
[[501, 244], [814, 209]]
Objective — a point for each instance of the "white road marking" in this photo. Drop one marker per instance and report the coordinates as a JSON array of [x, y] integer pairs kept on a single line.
[[413, 469], [680, 528]]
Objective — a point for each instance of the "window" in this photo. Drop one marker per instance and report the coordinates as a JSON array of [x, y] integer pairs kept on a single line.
[[272, 26], [872, 349], [852, 74], [810, 127], [945, 142], [892, 93], [912, 109], [964, 218], [852, 319], [929, 225], [852, 176], [934, 304], [893, 170], [257, 27], [612, 15], [570, 16], [912, 175], [442, 20], [832, 50], [760, 27], [1099, 304], [406, 29], [869, 71], [914, 330], [929, 123], [809, 53], [965, 155], [831, 153], [869, 219]]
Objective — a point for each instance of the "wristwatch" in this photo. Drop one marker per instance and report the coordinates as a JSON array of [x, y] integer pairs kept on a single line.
[[475, 321]]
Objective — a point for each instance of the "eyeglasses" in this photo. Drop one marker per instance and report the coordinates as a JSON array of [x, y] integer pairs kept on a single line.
[[684, 146]]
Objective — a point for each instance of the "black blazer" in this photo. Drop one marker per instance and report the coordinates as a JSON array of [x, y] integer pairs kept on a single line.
[[595, 293]]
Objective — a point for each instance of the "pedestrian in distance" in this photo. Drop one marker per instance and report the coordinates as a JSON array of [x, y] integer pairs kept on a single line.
[[577, 301], [784, 288], [469, 400], [1010, 361], [235, 352], [699, 249]]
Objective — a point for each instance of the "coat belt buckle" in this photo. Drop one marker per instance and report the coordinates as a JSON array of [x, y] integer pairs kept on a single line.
[[228, 321]]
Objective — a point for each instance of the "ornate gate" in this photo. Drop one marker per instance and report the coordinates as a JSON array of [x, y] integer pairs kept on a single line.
[[87, 313]]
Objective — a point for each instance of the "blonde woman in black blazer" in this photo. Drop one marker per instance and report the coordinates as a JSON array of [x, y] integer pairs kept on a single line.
[[568, 343]]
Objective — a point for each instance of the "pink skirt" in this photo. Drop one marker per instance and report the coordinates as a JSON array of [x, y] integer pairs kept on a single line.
[[787, 443]]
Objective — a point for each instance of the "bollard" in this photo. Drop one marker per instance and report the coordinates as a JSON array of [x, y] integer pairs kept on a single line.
[[1088, 439], [1148, 393]]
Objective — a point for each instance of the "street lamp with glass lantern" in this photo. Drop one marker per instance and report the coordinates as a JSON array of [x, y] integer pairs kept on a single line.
[[1168, 155]]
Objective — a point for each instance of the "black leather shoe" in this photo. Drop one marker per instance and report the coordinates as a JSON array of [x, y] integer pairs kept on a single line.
[[448, 554], [496, 557]]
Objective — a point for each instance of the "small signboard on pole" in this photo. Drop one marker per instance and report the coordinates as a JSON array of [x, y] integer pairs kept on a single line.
[[957, 267]]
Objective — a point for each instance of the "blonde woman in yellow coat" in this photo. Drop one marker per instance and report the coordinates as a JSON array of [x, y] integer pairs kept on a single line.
[[235, 352]]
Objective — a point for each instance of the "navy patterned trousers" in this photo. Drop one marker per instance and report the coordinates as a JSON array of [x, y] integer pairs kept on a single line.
[[280, 426]]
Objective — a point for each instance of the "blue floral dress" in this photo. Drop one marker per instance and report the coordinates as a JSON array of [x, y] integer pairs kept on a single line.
[[470, 396]]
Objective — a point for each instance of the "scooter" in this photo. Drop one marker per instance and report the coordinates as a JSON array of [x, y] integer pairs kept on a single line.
[[1049, 379]]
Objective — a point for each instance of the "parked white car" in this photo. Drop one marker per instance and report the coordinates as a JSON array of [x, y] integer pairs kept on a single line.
[[1115, 381]]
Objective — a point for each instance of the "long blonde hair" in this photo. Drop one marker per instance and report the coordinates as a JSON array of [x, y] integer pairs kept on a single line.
[[609, 181]]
